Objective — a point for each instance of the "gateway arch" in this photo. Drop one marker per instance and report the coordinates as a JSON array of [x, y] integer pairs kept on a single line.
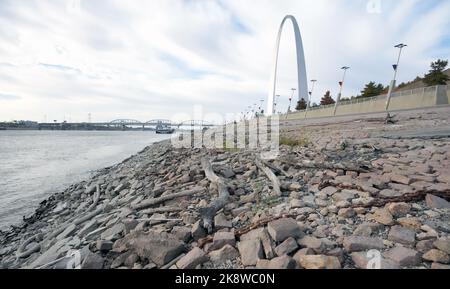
[[301, 66]]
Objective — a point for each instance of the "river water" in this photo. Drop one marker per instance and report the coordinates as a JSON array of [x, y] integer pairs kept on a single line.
[[36, 164]]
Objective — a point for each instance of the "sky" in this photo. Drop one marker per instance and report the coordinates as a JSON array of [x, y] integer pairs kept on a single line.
[[143, 60]]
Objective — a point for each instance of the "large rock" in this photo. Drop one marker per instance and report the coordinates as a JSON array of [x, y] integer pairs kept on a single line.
[[198, 231], [288, 246], [161, 248], [221, 222], [367, 229], [284, 228], [283, 262], [399, 209], [227, 252], [443, 245], [192, 259], [312, 243], [383, 216], [93, 262], [438, 256], [402, 235], [267, 243], [434, 202], [221, 239], [362, 259], [319, 262], [359, 243], [404, 257], [251, 251]]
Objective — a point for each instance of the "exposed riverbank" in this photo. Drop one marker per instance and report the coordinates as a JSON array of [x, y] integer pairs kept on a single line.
[[337, 191]]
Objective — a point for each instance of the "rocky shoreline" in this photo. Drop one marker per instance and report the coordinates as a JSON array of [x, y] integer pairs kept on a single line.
[[336, 192]]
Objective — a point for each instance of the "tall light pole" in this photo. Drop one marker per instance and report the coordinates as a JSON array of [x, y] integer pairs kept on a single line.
[[395, 66], [290, 99], [341, 84], [310, 96], [276, 103]]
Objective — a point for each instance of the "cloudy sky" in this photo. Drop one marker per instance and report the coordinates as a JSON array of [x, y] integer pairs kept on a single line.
[[156, 59]]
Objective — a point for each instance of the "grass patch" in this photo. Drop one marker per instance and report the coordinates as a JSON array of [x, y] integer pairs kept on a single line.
[[266, 203], [293, 142]]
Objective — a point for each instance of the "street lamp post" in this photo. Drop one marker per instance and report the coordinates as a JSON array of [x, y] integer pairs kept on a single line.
[[276, 103], [393, 82], [290, 99], [310, 96], [341, 84]]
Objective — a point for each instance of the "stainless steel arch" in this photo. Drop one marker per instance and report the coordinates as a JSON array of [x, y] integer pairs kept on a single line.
[[301, 66]]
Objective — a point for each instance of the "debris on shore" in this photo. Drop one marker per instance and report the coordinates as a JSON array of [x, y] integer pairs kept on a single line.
[[335, 193]]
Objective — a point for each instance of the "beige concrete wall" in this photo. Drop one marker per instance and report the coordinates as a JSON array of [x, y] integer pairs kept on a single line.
[[427, 97]]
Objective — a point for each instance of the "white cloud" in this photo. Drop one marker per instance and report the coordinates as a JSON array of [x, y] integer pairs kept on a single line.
[[153, 59]]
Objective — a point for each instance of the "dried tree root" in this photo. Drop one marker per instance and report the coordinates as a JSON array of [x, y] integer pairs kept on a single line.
[[155, 201], [272, 177], [208, 213]]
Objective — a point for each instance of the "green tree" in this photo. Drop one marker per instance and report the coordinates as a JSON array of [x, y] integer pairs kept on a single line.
[[372, 89], [327, 99], [301, 105], [436, 75]]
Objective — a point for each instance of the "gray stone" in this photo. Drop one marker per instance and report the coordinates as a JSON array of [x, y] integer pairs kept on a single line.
[[93, 262], [403, 257], [283, 262], [312, 243], [424, 245], [198, 231], [287, 247], [443, 245], [367, 229], [182, 233], [438, 256], [159, 247], [284, 228], [359, 243], [192, 259], [227, 252], [221, 239], [344, 195], [221, 222], [104, 246], [402, 235], [434, 202], [267, 243], [251, 251]]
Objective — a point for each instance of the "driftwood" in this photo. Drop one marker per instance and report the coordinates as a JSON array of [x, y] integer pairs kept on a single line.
[[21, 253], [161, 210], [155, 201], [208, 213], [272, 177], [96, 198]]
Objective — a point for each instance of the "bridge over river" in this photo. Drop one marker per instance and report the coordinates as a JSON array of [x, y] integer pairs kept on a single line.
[[126, 124]]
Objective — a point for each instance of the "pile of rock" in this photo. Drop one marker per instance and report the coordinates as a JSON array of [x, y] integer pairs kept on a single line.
[[375, 202]]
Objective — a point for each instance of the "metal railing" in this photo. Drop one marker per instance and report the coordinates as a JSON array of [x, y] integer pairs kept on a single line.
[[421, 90]]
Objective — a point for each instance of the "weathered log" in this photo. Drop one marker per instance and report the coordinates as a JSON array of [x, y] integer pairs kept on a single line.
[[161, 210], [272, 177], [155, 201], [96, 198], [208, 213]]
